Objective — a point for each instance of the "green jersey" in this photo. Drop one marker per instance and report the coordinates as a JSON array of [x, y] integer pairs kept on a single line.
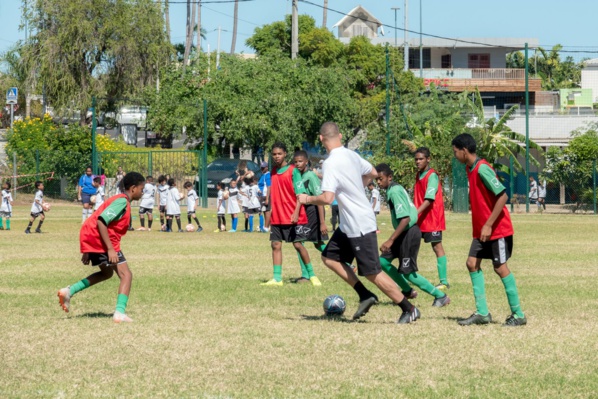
[[311, 182], [489, 178], [432, 185], [297, 179], [400, 205]]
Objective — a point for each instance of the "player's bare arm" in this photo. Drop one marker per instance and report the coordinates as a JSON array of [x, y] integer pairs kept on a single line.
[[385, 247], [103, 230], [326, 198], [498, 207], [367, 179], [425, 205], [295, 215]]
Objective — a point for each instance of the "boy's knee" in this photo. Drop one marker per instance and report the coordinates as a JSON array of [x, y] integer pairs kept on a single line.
[[276, 245], [471, 265]]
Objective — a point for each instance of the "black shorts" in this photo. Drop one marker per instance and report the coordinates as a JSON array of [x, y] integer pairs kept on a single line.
[[86, 198], [364, 249], [162, 208], [265, 208], [406, 249], [101, 259], [376, 213], [143, 211], [189, 213], [314, 234], [36, 214], [252, 211], [498, 250], [288, 232], [432, 236], [5, 214]]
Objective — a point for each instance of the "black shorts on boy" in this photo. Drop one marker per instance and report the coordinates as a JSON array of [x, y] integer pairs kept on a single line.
[[143, 211], [288, 232], [432, 236], [101, 259], [314, 234], [364, 249], [406, 249], [499, 250]]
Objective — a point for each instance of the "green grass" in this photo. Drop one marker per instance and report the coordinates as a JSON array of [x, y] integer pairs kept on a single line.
[[204, 328]]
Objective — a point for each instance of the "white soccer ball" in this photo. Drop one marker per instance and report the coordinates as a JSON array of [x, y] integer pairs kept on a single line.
[[46, 207], [190, 227], [93, 199], [249, 175], [222, 228]]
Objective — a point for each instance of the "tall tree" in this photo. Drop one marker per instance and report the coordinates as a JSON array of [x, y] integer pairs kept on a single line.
[[167, 18], [198, 27], [191, 7], [235, 23], [325, 16]]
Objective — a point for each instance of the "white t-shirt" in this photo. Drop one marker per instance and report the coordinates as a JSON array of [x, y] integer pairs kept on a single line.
[[245, 195], [542, 189], [221, 204], [172, 205], [342, 175], [191, 200], [99, 197], [375, 196], [533, 190], [163, 191], [148, 199], [254, 197], [6, 200], [37, 202]]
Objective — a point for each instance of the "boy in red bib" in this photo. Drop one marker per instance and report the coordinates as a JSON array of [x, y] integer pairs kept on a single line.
[[100, 238], [492, 232], [427, 197]]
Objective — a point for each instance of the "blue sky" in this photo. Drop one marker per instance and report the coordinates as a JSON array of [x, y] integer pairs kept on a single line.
[[569, 23]]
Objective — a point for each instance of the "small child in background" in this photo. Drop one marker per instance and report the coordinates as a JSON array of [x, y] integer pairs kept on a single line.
[[6, 207], [233, 205], [173, 209], [148, 199], [375, 201], [253, 200], [192, 199], [220, 208], [97, 183], [244, 193], [163, 193], [37, 208]]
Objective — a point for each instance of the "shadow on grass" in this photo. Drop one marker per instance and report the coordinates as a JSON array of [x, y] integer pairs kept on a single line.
[[454, 318], [96, 315], [336, 319]]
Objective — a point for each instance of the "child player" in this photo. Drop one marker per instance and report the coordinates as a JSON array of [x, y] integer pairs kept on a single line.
[[6, 206], [37, 208], [233, 205], [100, 238], [146, 206], [288, 221], [430, 207], [374, 200], [192, 199], [492, 232], [253, 199], [317, 231], [97, 183], [173, 209], [163, 194], [220, 208], [405, 240]]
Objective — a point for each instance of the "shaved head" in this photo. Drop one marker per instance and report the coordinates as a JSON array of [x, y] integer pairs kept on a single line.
[[329, 130]]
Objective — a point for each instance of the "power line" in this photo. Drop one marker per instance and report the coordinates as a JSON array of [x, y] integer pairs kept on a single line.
[[209, 1], [228, 15]]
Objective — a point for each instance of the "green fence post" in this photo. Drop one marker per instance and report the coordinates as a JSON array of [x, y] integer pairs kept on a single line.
[[149, 163], [387, 102], [526, 131], [594, 178], [204, 160], [36, 164], [94, 155], [511, 182]]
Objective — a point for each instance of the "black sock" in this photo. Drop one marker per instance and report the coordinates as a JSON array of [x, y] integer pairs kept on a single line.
[[246, 224], [405, 305], [223, 221], [178, 222], [168, 224], [363, 292], [161, 220], [196, 221], [30, 224], [142, 220], [219, 222], [149, 223], [39, 226], [188, 218]]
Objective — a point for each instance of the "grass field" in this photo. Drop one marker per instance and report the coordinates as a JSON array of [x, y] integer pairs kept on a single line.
[[204, 328]]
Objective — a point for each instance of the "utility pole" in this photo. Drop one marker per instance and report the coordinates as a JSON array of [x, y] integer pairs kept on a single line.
[[294, 31], [325, 16], [406, 44], [395, 9], [526, 130], [421, 48], [387, 115], [218, 51]]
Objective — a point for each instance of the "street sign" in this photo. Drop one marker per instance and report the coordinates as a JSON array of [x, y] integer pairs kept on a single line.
[[12, 95]]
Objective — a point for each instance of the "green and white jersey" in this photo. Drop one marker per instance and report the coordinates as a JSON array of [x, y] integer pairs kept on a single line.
[[400, 205], [489, 178], [432, 185], [311, 182]]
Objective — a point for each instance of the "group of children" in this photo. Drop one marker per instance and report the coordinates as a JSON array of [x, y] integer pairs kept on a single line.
[[38, 207], [251, 200]]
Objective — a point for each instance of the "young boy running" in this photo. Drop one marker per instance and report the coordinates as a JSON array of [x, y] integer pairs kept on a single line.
[[6, 206], [427, 196], [192, 199], [405, 240], [37, 208], [288, 218], [163, 194], [148, 199], [100, 238], [317, 231], [492, 232]]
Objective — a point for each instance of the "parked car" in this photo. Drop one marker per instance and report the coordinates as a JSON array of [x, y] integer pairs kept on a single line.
[[132, 115], [224, 170]]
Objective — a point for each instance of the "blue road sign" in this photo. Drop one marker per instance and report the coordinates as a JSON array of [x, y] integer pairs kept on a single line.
[[12, 95]]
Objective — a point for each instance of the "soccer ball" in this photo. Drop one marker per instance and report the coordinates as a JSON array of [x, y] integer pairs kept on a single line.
[[222, 228], [190, 227], [334, 305], [249, 175], [163, 227], [225, 195], [92, 199], [46, 207]]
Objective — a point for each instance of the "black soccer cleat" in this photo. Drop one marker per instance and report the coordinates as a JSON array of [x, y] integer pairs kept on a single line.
[[409, 317], [38, 231], [476, 319], [27, 231], [514, 321], [364, 307], [440, 302], [410, 294], [199, 229]]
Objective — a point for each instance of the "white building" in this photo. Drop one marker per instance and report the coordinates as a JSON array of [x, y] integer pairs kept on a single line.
[[589, 77]]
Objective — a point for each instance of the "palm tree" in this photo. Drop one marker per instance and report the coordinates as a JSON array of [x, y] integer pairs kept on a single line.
[[198, 28], [235, 22], [167, 18], [324, 18]]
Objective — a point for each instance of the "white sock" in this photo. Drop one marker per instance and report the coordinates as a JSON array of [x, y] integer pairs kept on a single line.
[[84, 214]]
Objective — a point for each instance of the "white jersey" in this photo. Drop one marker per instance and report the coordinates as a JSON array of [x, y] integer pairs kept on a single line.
[[37, 202], [99, 197], [6, 202], [375, 196], [172, 205], [233, 200], [342, 175], [191, 200], [533, 190], [245, 195], [254, 197], [221, 203], [542, 189], [148, 199], [163, 191]]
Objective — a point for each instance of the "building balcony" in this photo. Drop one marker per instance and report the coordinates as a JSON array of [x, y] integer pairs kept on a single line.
[[485, 79]]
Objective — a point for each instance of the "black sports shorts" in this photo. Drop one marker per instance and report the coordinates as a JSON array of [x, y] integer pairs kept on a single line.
[[406, 249], [499, 250], [364, 249]]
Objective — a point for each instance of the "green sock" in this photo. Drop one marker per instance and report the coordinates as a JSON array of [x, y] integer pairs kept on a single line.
[[278, 272], [121, 303], [320, 246], [441, 264], [1, 226], [304, 272], [512, 295], [310, 270], [7, 224], [395, 275], [479, 292], [420, 281], [79, 286]]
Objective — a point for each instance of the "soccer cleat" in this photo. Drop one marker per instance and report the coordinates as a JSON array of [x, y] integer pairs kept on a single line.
[[181, 231], [476, 319], [199, 229], [217, 231], [301, 280], [443, 286], [232, 231], [411, 294], [27, 231], [38, 231], [149, 229], [440, 302], [131, 228], [64, 297], [2, 228], [364, 307], [409, 317], [272, 283], [315, 281], [141, 229], [514, 321], [121, 318]]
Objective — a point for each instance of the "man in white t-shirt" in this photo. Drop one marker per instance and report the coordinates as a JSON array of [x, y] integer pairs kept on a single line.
[[345, 174]]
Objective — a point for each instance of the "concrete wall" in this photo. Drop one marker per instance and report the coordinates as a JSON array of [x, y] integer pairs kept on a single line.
[[498, 57], [589, 80], [580, 98]]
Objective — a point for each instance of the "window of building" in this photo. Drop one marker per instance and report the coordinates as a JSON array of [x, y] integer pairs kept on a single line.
[[445, 61], [414, 58], [478, 61]]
